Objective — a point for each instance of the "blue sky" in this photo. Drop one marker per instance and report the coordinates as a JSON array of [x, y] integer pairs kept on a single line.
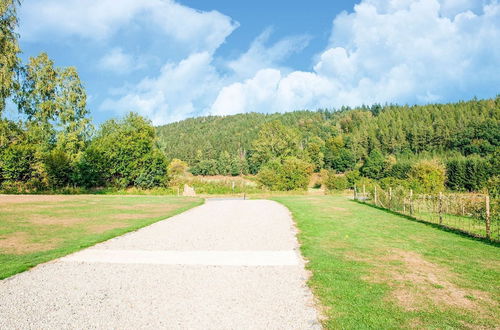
[[172, 60]]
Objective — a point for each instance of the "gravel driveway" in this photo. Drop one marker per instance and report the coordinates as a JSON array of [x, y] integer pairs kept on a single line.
[[228, 264]]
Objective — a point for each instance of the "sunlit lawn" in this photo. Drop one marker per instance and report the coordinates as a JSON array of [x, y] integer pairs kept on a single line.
[[38, 228], [373, 269]]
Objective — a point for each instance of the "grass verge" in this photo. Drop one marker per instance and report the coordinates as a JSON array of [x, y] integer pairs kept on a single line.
[[374, 269], [39, 228]]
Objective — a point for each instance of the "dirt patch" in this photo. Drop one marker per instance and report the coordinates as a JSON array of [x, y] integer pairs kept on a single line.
[[17, 199], [20, 243], [38, 219], [101, 228], [417, 282], [132, 216]]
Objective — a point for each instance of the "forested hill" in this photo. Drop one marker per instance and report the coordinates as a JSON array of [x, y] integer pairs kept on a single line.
[[471, 127], [214, 134]]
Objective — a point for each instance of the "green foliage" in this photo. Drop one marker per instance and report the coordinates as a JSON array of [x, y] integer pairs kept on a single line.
[[59, 168], [374, 165], [275, 140], [177, 168], [9, 49], [400, 170], [336, 182], [291, 173], [428, 176], [352, 177], [343, 161], [128, 153], [469, 174], [493, 186], [314, 150]]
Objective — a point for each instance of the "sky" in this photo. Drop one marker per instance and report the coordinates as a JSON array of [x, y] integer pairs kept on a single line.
[[171, 60]]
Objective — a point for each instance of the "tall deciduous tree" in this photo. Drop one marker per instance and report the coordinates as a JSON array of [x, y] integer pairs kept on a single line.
[[9, 49]]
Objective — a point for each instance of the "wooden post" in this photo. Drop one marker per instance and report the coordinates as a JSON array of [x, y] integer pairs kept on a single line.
[[440, 208], [355, 193], [375, 194], [390, 197], [411, 201], [488, 218]]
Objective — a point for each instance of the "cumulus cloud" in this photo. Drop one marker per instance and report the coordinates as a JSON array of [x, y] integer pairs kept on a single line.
[[260, 55], [404, 51], [117, 61], [100, 19], [175, 94], [413, 51]]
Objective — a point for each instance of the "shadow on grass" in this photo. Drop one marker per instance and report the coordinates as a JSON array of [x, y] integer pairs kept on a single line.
[[435, 225]]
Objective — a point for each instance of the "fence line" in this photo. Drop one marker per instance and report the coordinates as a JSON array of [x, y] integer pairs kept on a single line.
[[474, 214]]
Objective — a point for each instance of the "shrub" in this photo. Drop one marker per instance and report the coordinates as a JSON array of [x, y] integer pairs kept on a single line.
[[289, 174], [336, 182], [352, 177], [177, 167], [400, 170], [428, 176], [374, 165], [493, 186], [59, 168]]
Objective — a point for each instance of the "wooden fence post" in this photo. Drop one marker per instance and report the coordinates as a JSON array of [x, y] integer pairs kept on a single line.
[[375, 195], [411, 201], [440, 208], [390, 197], [488, 218]]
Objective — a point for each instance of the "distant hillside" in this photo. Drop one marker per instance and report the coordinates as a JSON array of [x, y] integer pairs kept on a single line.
[[471, 127], [214, 134]]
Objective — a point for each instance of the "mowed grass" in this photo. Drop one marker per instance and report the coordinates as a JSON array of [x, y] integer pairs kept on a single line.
[[38, 228], [375, 270]]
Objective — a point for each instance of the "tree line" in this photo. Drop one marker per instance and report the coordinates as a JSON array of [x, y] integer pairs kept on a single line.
[[54, 144], [458, 142]]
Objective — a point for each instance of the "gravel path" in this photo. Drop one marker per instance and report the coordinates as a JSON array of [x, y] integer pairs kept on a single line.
[[228, 264]]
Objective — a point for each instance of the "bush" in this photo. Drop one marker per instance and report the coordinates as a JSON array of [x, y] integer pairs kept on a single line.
[[493, 186], [290, 174], [59, 169], [374, 165], [352, 177], [428, 176], [400, 170], [336, 182], [177, 167]]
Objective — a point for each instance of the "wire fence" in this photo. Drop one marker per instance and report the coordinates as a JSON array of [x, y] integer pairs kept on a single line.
[[475, 214]]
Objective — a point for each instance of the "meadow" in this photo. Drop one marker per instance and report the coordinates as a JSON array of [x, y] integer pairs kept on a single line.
[[39, 228], [372, 269]]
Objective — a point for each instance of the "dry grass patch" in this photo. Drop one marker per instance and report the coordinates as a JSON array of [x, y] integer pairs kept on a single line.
[[20, 243], [419, 284]]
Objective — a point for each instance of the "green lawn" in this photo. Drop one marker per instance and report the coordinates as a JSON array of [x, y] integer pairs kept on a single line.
[[373, 269], [38, 228]]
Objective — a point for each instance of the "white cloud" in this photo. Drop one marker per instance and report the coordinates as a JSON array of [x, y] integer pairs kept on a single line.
[[387, 51], [100, 19], [174, 95], [403, 51], [260, 56], [119, 62]]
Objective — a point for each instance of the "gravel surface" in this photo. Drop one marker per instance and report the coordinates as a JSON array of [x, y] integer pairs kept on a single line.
[[228, 264]]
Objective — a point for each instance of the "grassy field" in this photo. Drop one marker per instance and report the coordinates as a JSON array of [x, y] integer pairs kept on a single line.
[[38, 228], [373, 269]]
